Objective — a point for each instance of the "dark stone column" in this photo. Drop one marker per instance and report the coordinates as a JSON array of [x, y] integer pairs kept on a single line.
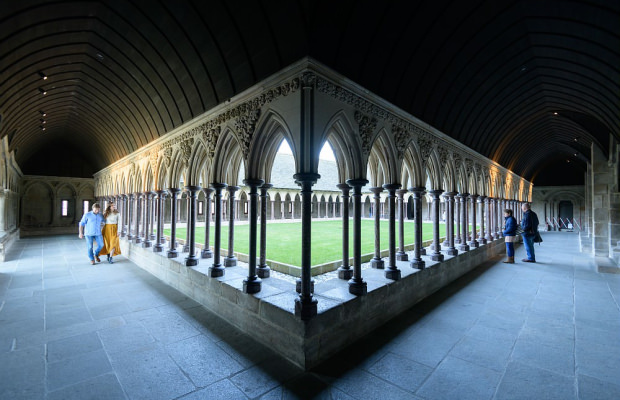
[[191, 259], [345, 272], [147, 219], [473, 242], [463, 201], [144, 215], [392, 271], [252, 284], [457, 218], [216, 269], [129, 215], [152, 215], [401, 255], [187, 223], [305, 304], [172, 250], [231, 260], [263, 270], [357, 286], [500, 213], [446, 242], [452, 251], [489, 213], [159, 244], [206, 251], [123, 232], [481, 203], [436, 254], [137, 238], [377, 262], [417, 261]]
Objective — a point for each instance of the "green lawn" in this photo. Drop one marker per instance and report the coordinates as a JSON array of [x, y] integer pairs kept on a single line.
[[284, 239]]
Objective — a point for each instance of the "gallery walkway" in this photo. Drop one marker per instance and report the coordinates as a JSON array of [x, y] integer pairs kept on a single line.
[[72, 331]]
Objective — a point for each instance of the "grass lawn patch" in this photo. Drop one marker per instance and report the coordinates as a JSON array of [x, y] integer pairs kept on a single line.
[[284, 239]]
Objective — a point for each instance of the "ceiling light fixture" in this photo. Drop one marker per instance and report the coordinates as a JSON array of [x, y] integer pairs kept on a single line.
[[43, 113], [555, 113], [42, 127], [43, 92], [42, 75], [43, 121]]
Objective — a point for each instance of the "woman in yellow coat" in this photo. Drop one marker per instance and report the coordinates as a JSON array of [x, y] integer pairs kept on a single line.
[[111, 244]]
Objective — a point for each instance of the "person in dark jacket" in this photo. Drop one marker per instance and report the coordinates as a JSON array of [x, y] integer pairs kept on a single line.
[[510, 234], [529, 225]]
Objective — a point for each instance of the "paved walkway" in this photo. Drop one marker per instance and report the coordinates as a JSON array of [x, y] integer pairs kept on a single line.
[[68, 330]]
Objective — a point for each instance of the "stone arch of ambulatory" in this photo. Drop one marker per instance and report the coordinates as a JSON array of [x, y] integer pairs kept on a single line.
[[228, 157], [277, 206], [178, 169], [162, 174], [472, 183], [343, 139], [414, 166], [383, 160], [449, 176], [149, 179], [433, 170], [198, 163], [37, 204], [242, 204], [71, 189], [271, 130]]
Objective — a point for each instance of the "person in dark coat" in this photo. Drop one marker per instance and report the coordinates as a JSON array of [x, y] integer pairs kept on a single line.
[[529, 225], [510, 234]]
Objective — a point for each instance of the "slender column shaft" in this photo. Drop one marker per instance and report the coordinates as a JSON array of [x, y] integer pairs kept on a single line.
[[129, 219], [480, 203], [436, 255], [306, 304], [172, 250], [392, 271], [377, 262], [252, 284], [147, 220], [206, 250], [187, 223], [457, 218], [487, 205], [216, 269], [152, 216], [452, 251], [474, 242], [464, 225], [159, 245], [263, 269], [417, 261], [401, 255], [357, 286], [137, 238], [191, 259], [231, 260], [145, 217], [123, 199], [345, 272]]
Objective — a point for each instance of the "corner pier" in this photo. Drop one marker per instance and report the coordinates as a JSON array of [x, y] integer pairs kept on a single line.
[[269, 315]]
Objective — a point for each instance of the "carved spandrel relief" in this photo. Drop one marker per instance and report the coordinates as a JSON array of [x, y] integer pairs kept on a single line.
[[401, 139], [367, 126], [245, 126]]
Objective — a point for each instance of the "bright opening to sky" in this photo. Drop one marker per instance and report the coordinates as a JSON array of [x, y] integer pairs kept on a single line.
[[326, 152]]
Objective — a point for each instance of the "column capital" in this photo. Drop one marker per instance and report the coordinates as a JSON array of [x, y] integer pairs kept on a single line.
[[435, 193], [344, 187], [450, 194], [253, 183], [192, 189], [357, 182], [219, 186], [376, 190], [419, 190], [232, 189], [392, 186], [463, 195], [402, 192], [306, 177], [473, 196], [161, 192], [174, 191], [207, 191], [266, 186]]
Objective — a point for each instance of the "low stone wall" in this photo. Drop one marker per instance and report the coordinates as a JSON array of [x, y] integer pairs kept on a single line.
[[6, 242], [269, 315]]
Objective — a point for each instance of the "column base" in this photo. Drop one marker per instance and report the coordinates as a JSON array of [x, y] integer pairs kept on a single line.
[[230, 261], [186, 248], [489, 238], [474, 244], [263, 271], [358, 288], [445, 243], [377, 263], [345, 273], [392, 273], [422, 251], [452, 252], [206, 253], [153, 237], [216, 271], [298, 285], [305, 309], [418, 264], [402, 256], [482, 241], [191, 261], [147, 243], [158, 248], [123, 234], [464, 247], [130, 237], [173, 254], [252, 286], [137, 240], [437, 257]]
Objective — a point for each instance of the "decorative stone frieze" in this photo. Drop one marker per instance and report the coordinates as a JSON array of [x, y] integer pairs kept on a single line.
[[367, 126]]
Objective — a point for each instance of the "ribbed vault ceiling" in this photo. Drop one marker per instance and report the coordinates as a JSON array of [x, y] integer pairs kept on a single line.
[[529, 84]]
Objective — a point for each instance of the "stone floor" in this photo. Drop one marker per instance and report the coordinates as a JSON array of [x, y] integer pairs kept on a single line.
[[527, 331]]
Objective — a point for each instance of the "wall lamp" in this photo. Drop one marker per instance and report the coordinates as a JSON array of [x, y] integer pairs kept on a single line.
[[42, 75], [43, 92]]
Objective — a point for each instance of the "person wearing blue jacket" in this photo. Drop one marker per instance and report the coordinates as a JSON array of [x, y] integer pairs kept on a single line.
[[529, 225], [90, 227], [510, 234]]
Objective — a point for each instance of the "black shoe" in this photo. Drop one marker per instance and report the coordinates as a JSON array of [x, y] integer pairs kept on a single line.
[[109, 257], [110, 260], [97, 258]]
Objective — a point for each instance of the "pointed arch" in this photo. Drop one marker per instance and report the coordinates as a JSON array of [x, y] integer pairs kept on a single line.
[[341, 136], [228, 157]]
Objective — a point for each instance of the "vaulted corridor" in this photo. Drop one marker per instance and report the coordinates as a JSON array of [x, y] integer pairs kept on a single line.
[[545, 330]]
